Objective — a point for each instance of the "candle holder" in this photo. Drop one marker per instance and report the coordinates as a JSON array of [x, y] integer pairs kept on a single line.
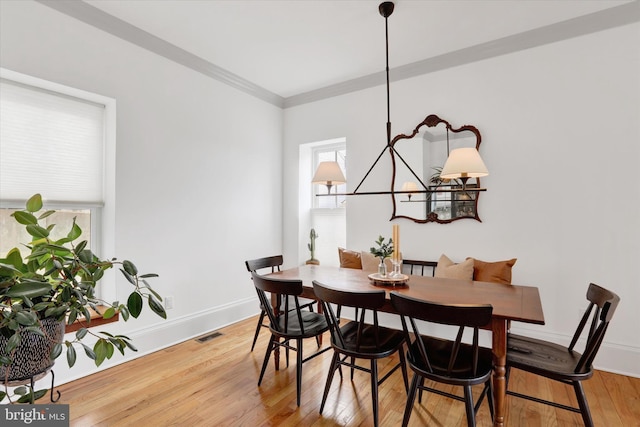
[[397, 268]]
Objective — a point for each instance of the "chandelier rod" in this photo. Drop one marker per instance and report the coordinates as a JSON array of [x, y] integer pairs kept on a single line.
[[385, 9]]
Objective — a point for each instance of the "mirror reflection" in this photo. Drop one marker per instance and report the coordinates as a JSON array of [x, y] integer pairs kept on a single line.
[[417, 162]]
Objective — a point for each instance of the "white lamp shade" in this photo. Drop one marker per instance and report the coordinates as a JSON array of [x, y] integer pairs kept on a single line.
[[464, 162], [328, 173], [409, 186]]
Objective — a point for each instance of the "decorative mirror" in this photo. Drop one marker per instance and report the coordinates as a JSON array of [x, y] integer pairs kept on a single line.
[[417, 161]]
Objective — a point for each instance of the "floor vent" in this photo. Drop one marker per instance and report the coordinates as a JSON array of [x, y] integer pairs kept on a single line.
[[209, 337]]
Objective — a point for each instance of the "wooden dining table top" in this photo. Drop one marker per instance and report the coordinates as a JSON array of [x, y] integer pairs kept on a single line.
[[511, 302]]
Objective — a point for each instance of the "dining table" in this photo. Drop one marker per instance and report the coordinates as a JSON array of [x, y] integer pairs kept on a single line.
[[510, 302]]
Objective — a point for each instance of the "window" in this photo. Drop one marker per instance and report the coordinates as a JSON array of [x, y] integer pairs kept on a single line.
[[325, 214], [57, 141], [334, 153]]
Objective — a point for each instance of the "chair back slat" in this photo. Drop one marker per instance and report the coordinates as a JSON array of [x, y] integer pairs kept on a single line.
[[367, 301], [421, 348], [279, 287], [417, 266], [464, 316], [454, 350], [603, 304]]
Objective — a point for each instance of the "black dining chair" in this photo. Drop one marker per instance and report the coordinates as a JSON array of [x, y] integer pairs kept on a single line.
[[452, 362], [561, 363], [358, 339], [288, 324], [274, 263], [417, 267]]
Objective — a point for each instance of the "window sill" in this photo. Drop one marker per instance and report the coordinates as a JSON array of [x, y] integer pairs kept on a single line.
[[96, 320]]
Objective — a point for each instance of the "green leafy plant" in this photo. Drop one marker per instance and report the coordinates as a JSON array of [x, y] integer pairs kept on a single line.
[[437, 180], [384, 250], [57, 279]]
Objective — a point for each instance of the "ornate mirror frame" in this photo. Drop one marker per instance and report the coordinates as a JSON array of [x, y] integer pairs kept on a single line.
[[433, 191]]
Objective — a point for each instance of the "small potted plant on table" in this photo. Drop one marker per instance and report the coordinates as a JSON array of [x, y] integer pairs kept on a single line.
[[384, 250]]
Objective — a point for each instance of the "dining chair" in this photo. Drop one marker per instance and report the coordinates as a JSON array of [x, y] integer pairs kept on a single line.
[[288, 324], [452, 362], [274, 263], [417, 267], [357, 339], [253, 265], [561, 363]]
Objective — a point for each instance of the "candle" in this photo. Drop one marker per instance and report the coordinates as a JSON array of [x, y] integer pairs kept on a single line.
[[396, 242]]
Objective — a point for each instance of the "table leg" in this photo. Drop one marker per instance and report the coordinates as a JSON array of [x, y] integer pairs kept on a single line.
[[275, 304], [499, 346], [320, 311]]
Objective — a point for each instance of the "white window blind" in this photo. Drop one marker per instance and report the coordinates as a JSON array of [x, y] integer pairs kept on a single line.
[[51, 144]]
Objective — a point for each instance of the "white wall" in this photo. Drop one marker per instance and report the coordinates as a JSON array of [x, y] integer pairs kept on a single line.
[[560, 125], [561, 132], [186, 208]]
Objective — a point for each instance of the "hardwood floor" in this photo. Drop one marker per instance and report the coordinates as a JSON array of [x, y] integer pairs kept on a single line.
[[214, 383]]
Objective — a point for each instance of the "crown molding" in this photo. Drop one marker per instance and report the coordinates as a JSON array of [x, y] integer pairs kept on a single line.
[[598, 21], [575, 27], [97, 18]]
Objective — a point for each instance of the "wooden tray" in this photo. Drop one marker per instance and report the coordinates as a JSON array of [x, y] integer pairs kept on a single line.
[[387, 281]]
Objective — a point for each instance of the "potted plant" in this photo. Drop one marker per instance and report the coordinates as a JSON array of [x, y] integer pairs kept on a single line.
[[384, 250], [312, 247], [54, 285]]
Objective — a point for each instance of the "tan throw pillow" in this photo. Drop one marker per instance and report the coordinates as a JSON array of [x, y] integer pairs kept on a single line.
[[349, 259], [370, 262], [449, 270], [494, 272]]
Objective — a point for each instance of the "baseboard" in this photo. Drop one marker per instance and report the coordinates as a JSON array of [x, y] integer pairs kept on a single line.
[[612, 357], [157, 337]]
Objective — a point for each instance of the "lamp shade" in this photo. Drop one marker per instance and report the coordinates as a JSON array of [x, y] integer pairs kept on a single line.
[[409, 186], [328, 173], [464, 163]]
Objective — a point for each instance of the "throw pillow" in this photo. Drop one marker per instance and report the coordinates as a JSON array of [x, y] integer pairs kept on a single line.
[[370, 262], [349, 259], [449, 270], [494, 272]]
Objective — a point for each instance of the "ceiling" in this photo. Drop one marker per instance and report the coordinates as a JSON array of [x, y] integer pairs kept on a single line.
[[292, 47]]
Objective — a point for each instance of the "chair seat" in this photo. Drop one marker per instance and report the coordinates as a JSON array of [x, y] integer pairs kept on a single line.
[[388, 341], [439, 351], [544, 358], [314, 324]]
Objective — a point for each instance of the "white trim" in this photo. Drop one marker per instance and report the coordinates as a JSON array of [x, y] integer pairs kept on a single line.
[[162, 335], [26, 79], [104, 240], [93, 16], [582, 25]]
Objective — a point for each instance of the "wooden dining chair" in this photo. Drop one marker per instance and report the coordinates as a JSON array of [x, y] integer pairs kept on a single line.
[[288, 324], [452, 362], [358, 339], [274, 263], [253, 265], [417, 267], [561, 363]]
